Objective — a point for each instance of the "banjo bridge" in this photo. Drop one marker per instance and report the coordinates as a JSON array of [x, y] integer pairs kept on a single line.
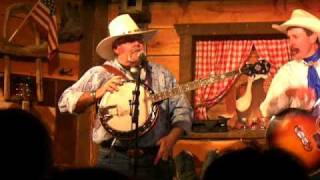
[[111, 111], [108, 112]]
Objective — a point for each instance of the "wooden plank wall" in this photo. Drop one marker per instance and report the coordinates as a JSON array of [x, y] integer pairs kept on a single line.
[[164, 48], [166, 14]]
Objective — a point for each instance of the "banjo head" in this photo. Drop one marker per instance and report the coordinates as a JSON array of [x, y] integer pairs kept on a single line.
[[115, 111]]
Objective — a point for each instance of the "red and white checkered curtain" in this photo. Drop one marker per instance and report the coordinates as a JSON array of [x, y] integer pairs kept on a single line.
[[217, 57], [276, 52]]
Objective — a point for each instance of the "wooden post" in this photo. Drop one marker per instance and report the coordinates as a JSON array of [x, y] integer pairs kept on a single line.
[[39, 82], [7, 71], [93, 17]]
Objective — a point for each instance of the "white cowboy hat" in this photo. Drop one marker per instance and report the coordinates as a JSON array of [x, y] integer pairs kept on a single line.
[[122, 25], [300, 18]]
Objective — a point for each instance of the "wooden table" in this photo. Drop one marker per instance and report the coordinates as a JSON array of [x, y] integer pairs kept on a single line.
[[199, 144]]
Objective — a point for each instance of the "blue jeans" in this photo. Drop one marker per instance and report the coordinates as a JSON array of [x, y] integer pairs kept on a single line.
[[120, 162]]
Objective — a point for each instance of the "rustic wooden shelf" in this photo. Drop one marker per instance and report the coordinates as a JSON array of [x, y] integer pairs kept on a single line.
[[28, 67]]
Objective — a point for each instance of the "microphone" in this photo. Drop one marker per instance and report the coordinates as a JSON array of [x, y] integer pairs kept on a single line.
[[134, 69], [138, 71], [142, 59], [143, 65]]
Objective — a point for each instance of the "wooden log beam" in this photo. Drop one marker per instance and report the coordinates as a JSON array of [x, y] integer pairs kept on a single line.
[[39, 73], [94, 24]]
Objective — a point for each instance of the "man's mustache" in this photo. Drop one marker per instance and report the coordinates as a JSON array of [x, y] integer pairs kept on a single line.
[[135, 52]]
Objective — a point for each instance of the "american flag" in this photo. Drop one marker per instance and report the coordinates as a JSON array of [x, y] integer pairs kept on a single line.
[[43, 12]]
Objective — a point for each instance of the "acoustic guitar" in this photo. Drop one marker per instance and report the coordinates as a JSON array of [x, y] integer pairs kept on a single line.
[[297, 132]]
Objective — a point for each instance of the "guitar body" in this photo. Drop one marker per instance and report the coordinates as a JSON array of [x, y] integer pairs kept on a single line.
[[297, 132]]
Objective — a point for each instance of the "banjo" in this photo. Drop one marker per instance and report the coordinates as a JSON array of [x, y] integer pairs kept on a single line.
[[115, 110]]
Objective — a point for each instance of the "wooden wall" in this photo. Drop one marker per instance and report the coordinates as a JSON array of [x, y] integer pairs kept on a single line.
[[163, 49]]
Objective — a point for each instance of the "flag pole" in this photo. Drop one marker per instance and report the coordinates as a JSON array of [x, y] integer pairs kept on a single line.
[[22, 23]]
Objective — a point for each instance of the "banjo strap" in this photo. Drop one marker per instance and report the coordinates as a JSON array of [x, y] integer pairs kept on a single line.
[[114, 71], [117, 72]]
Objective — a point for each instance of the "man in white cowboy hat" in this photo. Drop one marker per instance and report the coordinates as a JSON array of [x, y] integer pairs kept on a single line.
[[296, 84], [123, 51]]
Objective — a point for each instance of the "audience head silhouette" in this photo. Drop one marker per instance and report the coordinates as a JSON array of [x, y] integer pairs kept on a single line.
[[88, 173], [252, 163], [26, 145]]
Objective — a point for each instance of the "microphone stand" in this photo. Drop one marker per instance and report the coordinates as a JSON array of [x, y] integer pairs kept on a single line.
[[135, 152]]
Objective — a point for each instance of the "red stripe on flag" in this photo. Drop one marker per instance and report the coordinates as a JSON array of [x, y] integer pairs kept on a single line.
[[42, 15]]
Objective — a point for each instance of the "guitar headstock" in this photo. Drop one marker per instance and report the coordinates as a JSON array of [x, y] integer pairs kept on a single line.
[[260, 67]]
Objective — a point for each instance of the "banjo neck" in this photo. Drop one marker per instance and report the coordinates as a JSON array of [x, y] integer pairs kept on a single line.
[[260, 67], [180, 89]]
